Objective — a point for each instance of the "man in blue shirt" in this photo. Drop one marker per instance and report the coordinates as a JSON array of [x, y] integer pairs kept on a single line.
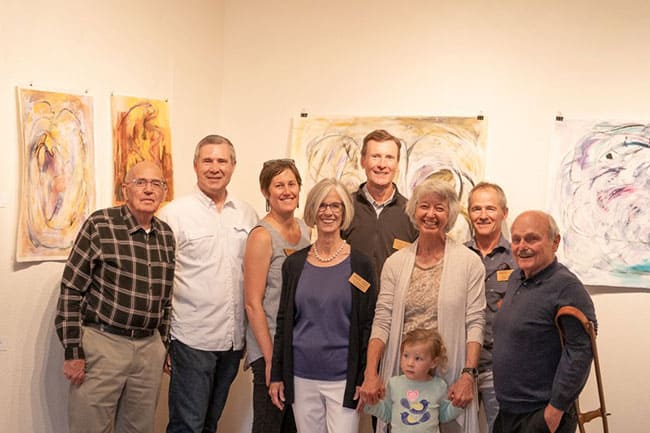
[[488, 209], [535, 378]]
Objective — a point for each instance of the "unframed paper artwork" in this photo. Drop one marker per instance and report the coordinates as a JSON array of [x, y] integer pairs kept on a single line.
[[450, 148], [601, 199], [58, 189], [141, 132]]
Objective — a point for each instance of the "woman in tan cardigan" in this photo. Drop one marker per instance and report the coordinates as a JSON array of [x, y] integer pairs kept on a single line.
[[435, 283]]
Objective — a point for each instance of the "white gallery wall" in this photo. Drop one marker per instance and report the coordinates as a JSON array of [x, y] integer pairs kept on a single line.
[[244, 68]]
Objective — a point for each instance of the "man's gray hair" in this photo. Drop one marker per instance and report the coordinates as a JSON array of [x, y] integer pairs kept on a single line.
[[501, 195], [215, 139]]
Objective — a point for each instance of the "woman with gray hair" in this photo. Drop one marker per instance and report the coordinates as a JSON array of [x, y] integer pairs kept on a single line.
[[324, 320], [435, 283]]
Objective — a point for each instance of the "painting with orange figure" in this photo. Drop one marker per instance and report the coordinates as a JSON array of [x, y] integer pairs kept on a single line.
[[141, 132], [58, 190]]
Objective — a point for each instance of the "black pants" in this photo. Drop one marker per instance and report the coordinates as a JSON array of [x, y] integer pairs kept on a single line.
[[533, 422], [266, 417]]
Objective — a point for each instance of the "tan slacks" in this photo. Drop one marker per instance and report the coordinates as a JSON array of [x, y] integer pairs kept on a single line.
[[121, 386]]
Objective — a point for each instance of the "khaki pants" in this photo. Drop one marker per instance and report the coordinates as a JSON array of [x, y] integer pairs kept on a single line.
[[122, 384]]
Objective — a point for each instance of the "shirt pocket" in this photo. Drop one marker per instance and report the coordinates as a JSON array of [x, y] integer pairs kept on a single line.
[[115, 270], [197, 244], [112, 262], [237, 239]]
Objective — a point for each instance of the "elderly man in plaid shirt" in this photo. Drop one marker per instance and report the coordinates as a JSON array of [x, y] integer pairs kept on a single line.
[[113, 310]]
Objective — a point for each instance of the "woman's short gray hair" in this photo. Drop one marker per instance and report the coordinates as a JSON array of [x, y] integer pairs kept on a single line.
[[318, 193], [440, 188]]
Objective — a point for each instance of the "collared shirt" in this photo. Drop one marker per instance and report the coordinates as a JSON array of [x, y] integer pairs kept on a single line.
[[117, 274], [531, 368], [499, 264], [377, 206], [208, 303]]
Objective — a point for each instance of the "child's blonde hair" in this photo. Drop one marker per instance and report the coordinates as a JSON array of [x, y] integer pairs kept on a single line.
[[433, 339]]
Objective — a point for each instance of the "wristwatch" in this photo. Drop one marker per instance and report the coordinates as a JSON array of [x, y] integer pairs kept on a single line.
[[471, 371]]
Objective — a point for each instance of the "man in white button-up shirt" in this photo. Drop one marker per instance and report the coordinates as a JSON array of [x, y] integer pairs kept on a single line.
[[207, 328]]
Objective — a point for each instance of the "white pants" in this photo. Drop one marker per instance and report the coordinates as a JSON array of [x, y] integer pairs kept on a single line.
[[318, 407]]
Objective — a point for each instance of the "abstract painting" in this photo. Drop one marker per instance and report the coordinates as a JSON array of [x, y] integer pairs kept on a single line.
[[141, 132], [450, 148], [601, 199], [58, 189]]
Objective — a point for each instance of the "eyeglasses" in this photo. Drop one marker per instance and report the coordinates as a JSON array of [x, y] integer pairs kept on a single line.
[[281, 160], [335, 207], [141, 183]]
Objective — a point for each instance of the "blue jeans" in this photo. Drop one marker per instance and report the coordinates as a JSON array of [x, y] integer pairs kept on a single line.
[[198, 388], [488, 397]]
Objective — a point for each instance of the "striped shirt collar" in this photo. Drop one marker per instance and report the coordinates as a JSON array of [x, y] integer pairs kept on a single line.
[[378, 206]]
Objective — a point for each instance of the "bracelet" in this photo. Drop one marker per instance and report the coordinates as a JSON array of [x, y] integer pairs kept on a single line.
[[471, 371]]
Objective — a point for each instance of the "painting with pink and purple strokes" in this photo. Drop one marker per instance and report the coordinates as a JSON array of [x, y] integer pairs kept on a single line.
[[600, 196], [450, 148], [58, 190]]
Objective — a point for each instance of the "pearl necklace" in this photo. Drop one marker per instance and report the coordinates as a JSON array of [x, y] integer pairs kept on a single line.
[[330, 258]]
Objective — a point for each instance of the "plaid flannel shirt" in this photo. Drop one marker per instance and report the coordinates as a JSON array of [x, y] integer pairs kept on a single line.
[[117, 274]]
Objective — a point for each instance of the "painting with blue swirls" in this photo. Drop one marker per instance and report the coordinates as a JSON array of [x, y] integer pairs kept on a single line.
[[449, 148], [601, 198], [58, 190]]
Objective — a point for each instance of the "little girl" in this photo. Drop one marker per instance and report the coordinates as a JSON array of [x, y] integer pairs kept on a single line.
[[417, 401]]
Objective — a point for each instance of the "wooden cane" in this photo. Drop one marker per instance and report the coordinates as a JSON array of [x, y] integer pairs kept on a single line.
[[600, 412]]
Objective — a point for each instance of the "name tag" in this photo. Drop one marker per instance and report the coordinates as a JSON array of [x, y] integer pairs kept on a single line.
[[398, 244], [504, 274], [357, 281]]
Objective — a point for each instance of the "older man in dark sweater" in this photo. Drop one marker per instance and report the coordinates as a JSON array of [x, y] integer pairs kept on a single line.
[[535, 378]]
